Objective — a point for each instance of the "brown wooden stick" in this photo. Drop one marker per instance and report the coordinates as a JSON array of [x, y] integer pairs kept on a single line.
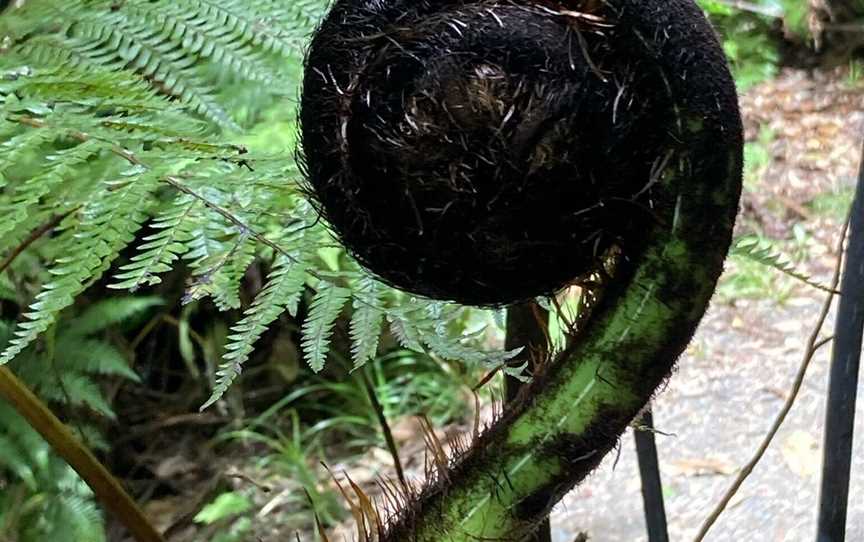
[[106, 488]]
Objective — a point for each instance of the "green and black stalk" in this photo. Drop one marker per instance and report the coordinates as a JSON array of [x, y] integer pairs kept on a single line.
[[490, 152], [527, 328]]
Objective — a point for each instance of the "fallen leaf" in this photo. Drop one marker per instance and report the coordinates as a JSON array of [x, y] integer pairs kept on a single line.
[[702, 467], [801, 453]]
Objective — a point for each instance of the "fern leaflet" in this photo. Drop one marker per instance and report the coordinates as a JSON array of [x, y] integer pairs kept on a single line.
[[318, 327], [365, 328], [160, 249], [283, 290], [763, 252], [108, 225]]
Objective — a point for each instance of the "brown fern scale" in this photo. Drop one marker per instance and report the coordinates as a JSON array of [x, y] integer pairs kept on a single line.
[[483, 152]]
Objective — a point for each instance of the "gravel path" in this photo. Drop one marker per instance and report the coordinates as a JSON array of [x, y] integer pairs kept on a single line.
[[719, 404]]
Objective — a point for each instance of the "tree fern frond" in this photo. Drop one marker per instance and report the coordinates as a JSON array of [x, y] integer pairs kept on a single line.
[[161, 249], [107, 226], [220, 277], [82, 517], [763, 252], [92, 357], [77, 390], [28, 440], [282, 291], [317, 330], [13, 151], [137, 49], [205, 38], [405, 330], [58, 82], [227, 281], [15, 207], [13, 458], [300, 16], [366, 322], [280, 35], [453, 349]]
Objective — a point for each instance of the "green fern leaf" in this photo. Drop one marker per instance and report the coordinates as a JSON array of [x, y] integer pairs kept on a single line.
[[77, 389], [92, 357], [763, 252], [112, 45], [13, 458], [317, 330], [365, 328], [16, 208], [160, 250], [282, 292], [452, 348], [204, 37], [281, 33], [405, 330], [226, 282], [108, 225], [109, 312], [21, 146]]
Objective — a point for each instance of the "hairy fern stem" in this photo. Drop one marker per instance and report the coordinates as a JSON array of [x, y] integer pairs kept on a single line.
[[674, 228]]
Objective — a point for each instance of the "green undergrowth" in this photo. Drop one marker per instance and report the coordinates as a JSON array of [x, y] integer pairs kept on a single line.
[[751, 32], [41, 498]]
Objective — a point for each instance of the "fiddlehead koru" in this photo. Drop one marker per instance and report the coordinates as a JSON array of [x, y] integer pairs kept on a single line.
[[491, 151]]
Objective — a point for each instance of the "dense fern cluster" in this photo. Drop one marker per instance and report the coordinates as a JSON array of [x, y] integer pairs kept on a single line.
[[113, 136], [42, 497]]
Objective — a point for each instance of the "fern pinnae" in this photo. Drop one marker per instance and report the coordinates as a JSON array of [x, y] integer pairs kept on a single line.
[[763, 252], [302, 15], [107, 225], [103, 44], [21, 145], [159, 250], [17, 207], [228, 280], [404, 330], [94, 357], [233, 17], [366, 321], [109, 312], [284, 285], [317, 330], [199, 38]]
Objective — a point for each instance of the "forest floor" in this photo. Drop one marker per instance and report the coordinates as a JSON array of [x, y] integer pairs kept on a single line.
[[804, 140]]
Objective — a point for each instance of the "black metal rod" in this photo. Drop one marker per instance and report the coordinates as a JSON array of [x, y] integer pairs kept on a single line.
[[843, 381], [527, 326], [649, 472]]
